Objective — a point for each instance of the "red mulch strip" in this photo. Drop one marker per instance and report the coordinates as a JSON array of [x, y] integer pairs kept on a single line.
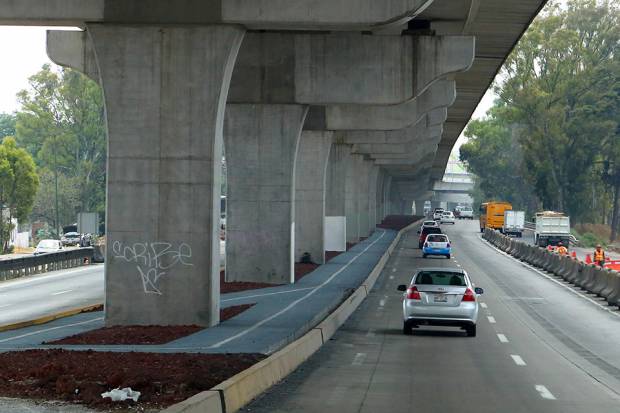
[[235, 286], [302, 269], [142, 335], [81, 376], [398, 222]]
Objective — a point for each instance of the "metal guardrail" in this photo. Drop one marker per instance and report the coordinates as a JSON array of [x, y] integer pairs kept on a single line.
[[37, 264]]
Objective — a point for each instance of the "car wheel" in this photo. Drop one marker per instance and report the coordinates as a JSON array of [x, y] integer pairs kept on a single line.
[[423, 255], [448, 256], [471, 331], [407, 329]]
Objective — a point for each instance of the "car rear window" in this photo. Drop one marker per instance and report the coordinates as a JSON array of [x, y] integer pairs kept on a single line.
[[431, 230], [437, 238], [440, 278]]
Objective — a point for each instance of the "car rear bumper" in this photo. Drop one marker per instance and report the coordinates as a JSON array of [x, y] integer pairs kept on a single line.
[[429, 321], [464, 313], [436, 251]]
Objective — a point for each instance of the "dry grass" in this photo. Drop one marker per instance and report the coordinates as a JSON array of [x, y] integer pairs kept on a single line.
[[600, 230]]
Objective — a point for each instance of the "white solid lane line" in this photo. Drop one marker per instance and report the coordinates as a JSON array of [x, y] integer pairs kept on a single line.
[[61, 292], [359, 359], [299, 300], [5, 305], [45, 330], [266, 294], [483, 305], [518, 360], [491, 319], [544, 392], [502, 338]]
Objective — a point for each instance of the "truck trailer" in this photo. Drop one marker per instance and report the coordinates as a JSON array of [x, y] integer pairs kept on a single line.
[[514, 223], [551, 229]]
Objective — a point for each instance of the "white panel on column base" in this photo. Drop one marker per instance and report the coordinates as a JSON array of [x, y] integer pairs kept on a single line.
[[335, 233]]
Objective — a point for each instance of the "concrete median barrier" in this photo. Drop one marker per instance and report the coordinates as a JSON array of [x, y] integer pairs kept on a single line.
[[602, 278], [575, 272], [613, 296], [546, 265], [611, 284], [565, 267], [556, 264], [586, 277], [539, 257], [530, 251]]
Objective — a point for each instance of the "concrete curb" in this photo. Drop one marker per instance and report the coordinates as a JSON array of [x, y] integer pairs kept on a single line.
[[48, 318], [234, 393]]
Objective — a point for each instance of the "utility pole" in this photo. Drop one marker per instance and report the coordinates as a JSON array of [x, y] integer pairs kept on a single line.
[[56, 190]]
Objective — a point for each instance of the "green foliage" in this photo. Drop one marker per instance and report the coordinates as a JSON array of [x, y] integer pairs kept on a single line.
[[62, 125], [560, 99], [19, 183], [7, 125]]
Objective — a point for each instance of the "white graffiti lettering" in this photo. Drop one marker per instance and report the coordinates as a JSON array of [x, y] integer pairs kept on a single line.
[[152, 260]]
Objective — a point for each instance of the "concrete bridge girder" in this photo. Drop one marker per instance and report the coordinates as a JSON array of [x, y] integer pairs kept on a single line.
[[441, 93], [254, 14]]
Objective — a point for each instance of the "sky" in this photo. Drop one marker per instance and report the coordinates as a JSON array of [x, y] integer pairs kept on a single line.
[[24, 48]]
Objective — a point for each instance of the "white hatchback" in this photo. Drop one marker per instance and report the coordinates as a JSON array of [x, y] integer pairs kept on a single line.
[[447, 217]]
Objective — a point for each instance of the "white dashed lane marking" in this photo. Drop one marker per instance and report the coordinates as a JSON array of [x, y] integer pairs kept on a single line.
[[491, 319], [544, 392], [359, 359], [61, 292], [518, 360], [502, 338], [483, 305]]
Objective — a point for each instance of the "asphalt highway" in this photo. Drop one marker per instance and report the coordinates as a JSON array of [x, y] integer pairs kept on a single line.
[[32, 297], [542, 346]]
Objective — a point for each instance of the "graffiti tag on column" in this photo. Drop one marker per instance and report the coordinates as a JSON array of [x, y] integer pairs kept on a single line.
[[153, 260]]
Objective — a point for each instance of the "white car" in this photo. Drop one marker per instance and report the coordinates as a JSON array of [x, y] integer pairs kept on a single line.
[[430, 224], [440, 297], [437, 214], [48, 245], [447, 217]]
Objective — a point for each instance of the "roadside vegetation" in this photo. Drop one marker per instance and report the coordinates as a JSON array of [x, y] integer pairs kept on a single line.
[[551, 141]]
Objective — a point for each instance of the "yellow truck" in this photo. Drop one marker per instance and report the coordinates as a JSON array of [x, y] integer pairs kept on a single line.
[[492, 215]]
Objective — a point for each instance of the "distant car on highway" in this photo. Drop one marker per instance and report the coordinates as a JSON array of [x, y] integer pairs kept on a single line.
[[440, 297], [48, 245], [437, 214], [70, 238], [436, 244], [466, 212], [425, 230], [447, 217], [430, 224]]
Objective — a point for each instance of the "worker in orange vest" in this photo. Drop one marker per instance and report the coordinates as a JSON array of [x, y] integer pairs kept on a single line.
[[599, 256], [562, 250]]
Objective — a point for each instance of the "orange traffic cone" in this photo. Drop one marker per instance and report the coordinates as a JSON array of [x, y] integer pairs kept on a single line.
[[588, 259], [573, 255]]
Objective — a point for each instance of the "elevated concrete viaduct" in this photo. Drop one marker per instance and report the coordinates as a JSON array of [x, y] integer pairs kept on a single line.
[[331, 115]]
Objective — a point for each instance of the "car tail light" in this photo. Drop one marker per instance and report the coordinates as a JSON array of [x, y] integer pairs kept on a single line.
[[426, 245], [413, 293], [448, 245], [469, 295]]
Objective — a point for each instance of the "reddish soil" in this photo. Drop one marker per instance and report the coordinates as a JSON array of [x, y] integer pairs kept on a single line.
[[302, 269], [142, 335], [235, 286], [398, 222], [81, 376]]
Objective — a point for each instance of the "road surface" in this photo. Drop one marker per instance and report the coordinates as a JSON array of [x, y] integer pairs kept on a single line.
[[541, 347]]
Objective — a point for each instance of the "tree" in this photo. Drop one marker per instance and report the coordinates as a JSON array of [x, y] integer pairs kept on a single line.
[[7, 125], [18, 186], [560, 90], [61, 124]]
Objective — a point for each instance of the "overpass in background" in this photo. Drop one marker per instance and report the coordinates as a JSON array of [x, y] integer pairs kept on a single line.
[[331, 115]]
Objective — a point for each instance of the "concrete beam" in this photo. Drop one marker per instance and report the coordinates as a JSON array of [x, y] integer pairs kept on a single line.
[[441, 93], [255, 14], [323, 69]]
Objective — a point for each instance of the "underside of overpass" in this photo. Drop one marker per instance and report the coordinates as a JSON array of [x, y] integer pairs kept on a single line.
[[337, 112]]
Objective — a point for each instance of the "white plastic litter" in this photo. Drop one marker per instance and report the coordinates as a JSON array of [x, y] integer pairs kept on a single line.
[[119, 395]]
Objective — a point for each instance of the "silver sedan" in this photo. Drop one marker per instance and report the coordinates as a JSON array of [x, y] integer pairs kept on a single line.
[[440, 297]]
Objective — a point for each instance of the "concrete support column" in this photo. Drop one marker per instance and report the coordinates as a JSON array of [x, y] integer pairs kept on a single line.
[[165, 93], [261, 145], [310, 177], [419, 207], [363, 193], [387, 191], [336, 180], [352, 204], [372, 198], [435, 204], [379, 196]]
